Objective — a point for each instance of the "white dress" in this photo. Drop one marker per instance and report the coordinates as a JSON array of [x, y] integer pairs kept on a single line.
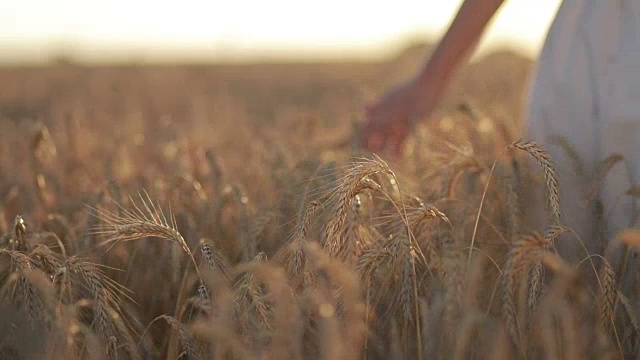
[[586, 88]]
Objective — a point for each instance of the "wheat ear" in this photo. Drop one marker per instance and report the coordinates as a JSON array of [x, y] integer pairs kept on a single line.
[[147, 220], [551, 177]]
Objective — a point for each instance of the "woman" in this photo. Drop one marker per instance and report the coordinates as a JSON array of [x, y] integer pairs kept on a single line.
[[586, 88]]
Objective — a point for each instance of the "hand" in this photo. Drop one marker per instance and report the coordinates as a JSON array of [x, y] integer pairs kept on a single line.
[[390, 120]]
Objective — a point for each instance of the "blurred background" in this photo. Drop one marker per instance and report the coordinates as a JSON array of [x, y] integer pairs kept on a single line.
[[150, 31], [149, 88]]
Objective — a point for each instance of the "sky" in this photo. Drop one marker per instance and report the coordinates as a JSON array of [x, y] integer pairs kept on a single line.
[[160, 30]]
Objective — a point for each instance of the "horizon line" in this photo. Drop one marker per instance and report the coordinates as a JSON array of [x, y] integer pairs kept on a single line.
[[42, 52]]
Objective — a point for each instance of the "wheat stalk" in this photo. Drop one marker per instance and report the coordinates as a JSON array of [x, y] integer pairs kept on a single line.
[[292, 256], [139, 223], [356, 179], [608, 295], [80, 281], [603, 169], [25, 293], [214, 260], [519, 259], [551, 177], [251, 302]]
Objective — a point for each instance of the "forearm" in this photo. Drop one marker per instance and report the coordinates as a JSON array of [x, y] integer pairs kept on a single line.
[[459, 41]]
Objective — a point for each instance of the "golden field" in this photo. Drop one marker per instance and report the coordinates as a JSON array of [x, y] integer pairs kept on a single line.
[[225, 212]]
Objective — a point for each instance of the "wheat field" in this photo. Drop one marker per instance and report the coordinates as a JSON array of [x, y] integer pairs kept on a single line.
[[225, 212]]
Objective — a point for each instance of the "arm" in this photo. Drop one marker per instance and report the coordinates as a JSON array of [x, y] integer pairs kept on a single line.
[[390, 120], [459, 41]]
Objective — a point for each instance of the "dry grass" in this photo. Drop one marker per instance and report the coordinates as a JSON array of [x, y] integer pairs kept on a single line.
[[155, 213]]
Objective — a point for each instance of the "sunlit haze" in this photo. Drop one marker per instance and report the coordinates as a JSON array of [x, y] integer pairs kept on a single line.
[[146, 30]]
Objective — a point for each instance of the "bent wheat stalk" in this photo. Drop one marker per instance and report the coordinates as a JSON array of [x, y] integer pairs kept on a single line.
[[147, 220], [550, 176]]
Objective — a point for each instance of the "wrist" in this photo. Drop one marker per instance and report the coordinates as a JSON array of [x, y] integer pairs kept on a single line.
[[426, 92], [432, 76]]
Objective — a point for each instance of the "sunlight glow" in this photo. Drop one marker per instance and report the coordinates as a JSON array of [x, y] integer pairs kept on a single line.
[[96, 30]]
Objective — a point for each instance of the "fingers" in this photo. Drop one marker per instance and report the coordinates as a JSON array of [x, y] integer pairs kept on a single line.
[[372, 139], [376, 143], [365, 133], [369, 138], [398, 133], [385, 128], [380, 139], [397, 146]]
